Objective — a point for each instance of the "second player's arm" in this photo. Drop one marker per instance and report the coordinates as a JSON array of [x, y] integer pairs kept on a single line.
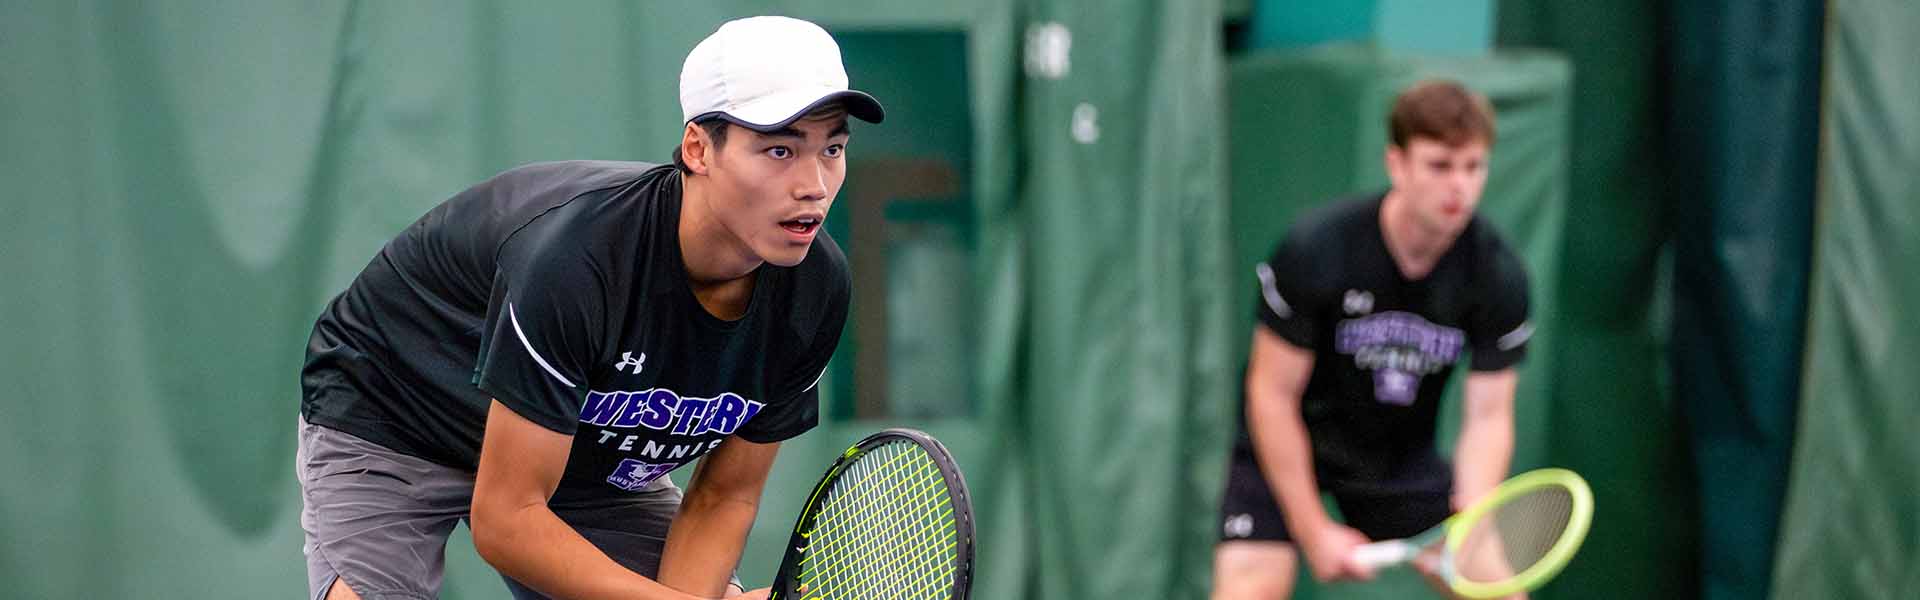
[[514, 531], [1277, 374], [704, 545], [1484, 449]]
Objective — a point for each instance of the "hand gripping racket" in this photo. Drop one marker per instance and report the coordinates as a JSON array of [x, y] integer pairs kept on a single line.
[[890, 519], [1511, 541]]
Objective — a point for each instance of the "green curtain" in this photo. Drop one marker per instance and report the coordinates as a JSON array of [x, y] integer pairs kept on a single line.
[[1107, 266], [1851, 528], [1743, 196], [164, 242], [1615, 420]]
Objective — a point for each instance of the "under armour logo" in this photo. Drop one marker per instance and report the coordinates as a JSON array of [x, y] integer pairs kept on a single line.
[[1358, 302], [627, 359], [1239, 526]]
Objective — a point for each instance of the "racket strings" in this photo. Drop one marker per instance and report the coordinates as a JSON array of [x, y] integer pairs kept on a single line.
[[885, 530], [1515, 535], [894, 539], [844, 542], [909, 521]]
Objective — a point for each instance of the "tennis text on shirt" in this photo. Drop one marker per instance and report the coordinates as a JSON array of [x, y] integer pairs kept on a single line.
[[1399, 348], [664, 411]]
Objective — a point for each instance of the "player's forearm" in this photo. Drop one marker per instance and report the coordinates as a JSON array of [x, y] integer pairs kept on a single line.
[[1482, 455], [533, 546], [1484, 450], [1286, 458], [704, 545]]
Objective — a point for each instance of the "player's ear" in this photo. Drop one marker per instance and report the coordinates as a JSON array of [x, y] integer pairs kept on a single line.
[[695, 149], [1395, 158]]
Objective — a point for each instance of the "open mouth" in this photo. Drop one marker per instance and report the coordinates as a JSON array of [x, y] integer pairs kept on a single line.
[[801, 226]]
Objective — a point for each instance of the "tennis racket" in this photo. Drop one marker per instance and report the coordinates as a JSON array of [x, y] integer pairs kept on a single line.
[[1514, 540], [890, 519]]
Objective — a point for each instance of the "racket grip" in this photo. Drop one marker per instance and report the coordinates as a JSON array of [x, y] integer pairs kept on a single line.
[[1383, 554]]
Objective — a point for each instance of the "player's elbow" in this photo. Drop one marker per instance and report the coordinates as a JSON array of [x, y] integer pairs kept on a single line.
[[487, 540], [1269, 407], [715, 496], [489, 552], [493, 534], [1270, 396]]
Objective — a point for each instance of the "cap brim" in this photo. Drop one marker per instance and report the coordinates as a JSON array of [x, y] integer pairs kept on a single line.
[[774, 114]]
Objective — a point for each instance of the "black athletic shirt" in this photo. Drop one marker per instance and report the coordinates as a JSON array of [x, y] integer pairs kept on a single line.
[[1384, 345], [559, 289]]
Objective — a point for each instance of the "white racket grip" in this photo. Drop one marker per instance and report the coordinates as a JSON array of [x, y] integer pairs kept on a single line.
[[1382, 554]]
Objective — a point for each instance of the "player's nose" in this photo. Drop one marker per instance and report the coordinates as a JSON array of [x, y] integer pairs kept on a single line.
[[811, 183]]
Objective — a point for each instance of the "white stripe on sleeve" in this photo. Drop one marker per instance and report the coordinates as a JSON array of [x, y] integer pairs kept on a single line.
[[1271, 292], [1513, 339], [816, 380], [536, 355]]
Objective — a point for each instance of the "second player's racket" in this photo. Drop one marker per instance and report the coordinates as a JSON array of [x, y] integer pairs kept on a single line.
[[889, 520], [1512, 541]]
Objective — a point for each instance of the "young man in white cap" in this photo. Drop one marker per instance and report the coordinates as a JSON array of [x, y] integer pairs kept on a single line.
[[535, 354]]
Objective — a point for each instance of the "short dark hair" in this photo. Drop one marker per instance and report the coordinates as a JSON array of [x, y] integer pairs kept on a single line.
[[716, 128], [1441, 110]]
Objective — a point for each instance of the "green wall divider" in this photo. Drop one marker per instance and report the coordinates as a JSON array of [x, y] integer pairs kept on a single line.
[[1426, 27]]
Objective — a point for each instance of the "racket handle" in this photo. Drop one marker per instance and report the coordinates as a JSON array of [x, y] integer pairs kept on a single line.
[[1383, 554]]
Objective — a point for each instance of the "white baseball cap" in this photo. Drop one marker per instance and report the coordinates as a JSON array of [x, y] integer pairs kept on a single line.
[[764, 73]]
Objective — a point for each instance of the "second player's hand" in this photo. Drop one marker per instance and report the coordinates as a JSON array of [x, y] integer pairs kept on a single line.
[[1330, 554]]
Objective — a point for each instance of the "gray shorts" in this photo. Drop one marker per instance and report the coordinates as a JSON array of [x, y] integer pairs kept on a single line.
[[379, 519]]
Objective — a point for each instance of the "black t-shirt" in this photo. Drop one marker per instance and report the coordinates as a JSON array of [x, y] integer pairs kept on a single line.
[[1384, 345], [559, 289]]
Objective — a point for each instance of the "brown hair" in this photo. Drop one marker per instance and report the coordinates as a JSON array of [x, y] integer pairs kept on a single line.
[[1440, 110]]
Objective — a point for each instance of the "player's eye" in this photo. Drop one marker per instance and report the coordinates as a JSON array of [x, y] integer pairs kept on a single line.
[[779, 152], [835, 150]]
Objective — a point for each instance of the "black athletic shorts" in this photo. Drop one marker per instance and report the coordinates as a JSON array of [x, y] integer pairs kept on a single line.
[[1249, 512]]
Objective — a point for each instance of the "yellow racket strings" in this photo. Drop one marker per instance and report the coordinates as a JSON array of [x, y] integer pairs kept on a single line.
[[1512, 538], [885, 530]]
